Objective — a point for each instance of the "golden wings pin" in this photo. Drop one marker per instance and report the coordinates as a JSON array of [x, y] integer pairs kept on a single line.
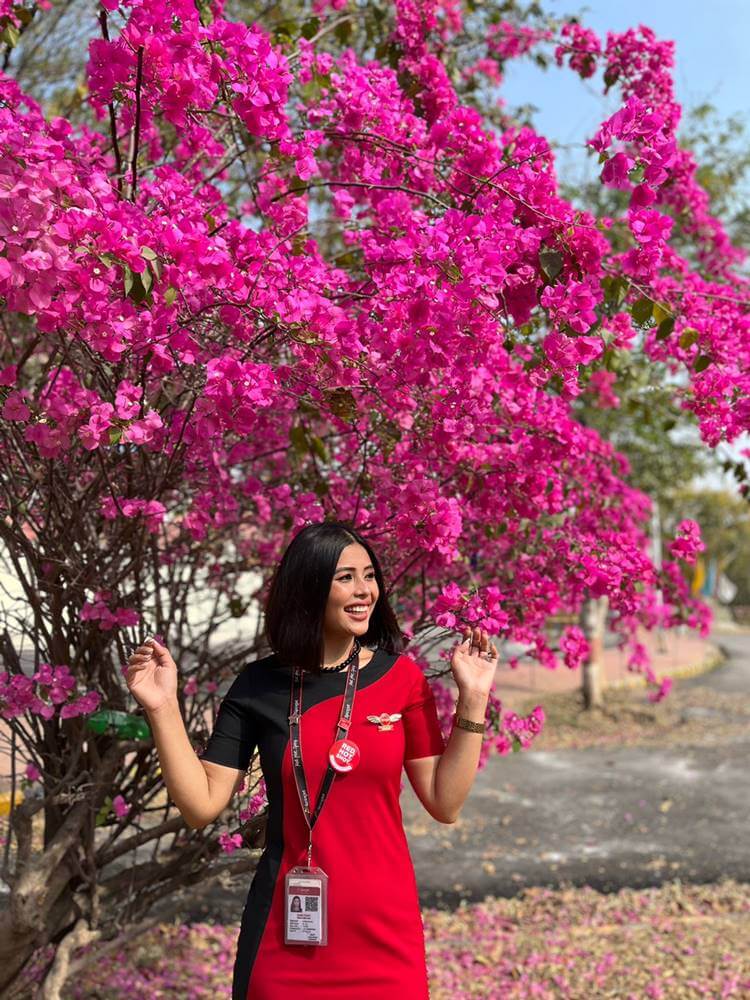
[[385, 720]]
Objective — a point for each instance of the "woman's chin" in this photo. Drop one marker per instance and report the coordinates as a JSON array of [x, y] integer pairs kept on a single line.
[[357, 628]]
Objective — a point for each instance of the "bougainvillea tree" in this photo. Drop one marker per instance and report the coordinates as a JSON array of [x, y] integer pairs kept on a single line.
[[305, 270]]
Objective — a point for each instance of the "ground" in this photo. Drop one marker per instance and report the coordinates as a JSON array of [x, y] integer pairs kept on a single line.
[[611, 861]]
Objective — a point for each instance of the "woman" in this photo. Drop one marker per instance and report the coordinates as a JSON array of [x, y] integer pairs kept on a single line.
[[334, 637]]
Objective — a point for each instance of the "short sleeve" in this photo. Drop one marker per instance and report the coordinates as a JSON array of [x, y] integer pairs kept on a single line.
[[423, 737], [233, 739]]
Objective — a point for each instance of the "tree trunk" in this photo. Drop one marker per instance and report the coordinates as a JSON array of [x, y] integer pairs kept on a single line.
[[593, 622]]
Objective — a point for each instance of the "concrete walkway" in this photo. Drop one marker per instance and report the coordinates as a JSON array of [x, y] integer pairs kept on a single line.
[[679, 652], [606, 818]]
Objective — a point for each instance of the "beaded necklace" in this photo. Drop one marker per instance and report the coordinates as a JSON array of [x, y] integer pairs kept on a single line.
[[345, 665]]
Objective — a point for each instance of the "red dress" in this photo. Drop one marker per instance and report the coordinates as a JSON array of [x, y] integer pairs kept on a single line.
[[375, 935]]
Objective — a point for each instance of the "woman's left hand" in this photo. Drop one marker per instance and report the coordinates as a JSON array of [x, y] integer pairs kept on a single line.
[[474, 662]]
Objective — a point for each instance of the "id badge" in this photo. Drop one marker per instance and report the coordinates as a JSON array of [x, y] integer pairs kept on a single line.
[[306, 906]]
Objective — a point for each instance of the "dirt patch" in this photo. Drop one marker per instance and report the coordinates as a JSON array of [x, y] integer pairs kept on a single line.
[[672, 943], [688, 716], [676, 942]]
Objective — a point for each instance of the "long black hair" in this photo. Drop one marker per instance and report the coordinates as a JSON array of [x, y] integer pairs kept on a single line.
[[298, 594]]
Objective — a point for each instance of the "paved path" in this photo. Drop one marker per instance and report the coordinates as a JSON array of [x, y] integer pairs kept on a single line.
[[607, 818], [676, 652]]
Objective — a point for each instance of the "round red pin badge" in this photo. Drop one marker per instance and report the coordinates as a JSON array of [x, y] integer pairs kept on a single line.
[[344, 755]]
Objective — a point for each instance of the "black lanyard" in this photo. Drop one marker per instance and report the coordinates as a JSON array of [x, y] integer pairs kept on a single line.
[[295, 713]]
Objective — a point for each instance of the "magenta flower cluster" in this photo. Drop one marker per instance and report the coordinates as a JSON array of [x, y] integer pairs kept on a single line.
[[50, 691], [424, 374]]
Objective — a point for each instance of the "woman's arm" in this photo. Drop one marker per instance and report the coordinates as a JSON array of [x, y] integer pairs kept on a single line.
[[443, 783], [199, 789]]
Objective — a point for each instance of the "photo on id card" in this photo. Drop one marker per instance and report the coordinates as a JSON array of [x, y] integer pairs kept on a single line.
[[306, 898]]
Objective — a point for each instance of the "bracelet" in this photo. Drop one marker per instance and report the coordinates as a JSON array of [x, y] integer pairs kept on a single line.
[[472, 727]]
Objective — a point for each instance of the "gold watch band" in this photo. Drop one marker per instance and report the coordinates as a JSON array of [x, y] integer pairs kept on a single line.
[[472, 727]]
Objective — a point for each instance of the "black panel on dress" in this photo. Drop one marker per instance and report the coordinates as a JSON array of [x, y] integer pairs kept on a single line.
[[254, 713]]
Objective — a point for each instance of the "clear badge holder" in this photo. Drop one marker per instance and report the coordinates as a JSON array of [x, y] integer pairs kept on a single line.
[[306, 906]]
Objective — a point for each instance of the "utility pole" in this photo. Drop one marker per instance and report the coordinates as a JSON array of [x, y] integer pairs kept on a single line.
[[593, 619]]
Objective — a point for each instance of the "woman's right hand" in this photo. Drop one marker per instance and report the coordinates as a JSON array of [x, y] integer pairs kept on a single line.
[[151, 675]]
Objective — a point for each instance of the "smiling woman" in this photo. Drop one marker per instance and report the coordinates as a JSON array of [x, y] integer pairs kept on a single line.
[[337, 712], [326, 590]]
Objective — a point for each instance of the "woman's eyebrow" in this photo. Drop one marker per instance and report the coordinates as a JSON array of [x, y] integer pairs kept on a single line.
[[342, 568]]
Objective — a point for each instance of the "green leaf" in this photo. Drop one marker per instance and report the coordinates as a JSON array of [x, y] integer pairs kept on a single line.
[[641, 310], [702, 362], [115, 433], [636, 173], [148, 253], [128, 278], [610, 77], [155, 268], [318, 446], [139, 286], [343, 30], [660, 312], [170, 295], [342, 403], [310, 27], [551, 262], [101, 816], [516, 744], [665, 328], [10, 35], [615, 290], [688, 337], [299, 439], [298, 243], [283, 33]]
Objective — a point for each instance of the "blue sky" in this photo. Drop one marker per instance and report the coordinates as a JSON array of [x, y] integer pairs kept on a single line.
[[711, 65]]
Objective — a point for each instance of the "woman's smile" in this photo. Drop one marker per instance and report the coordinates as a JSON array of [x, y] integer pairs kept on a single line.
[[358, 612]]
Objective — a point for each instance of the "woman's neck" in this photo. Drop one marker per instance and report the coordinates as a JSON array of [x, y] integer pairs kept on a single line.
[[336, 650]]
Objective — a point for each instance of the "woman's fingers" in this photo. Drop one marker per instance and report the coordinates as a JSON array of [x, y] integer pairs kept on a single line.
[[476, 637], [140, 658]]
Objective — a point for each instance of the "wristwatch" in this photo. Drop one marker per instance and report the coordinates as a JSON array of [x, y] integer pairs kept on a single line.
[[473, 727]]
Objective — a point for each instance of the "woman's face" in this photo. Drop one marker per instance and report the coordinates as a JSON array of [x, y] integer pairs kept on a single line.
[[353, 593]]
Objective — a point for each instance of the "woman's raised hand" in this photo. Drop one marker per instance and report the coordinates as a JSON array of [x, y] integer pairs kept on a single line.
[[474, 661], [152, 675]]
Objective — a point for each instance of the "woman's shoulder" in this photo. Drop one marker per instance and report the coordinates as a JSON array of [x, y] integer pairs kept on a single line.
[[407, 669], [253, 675], [407, 663]]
